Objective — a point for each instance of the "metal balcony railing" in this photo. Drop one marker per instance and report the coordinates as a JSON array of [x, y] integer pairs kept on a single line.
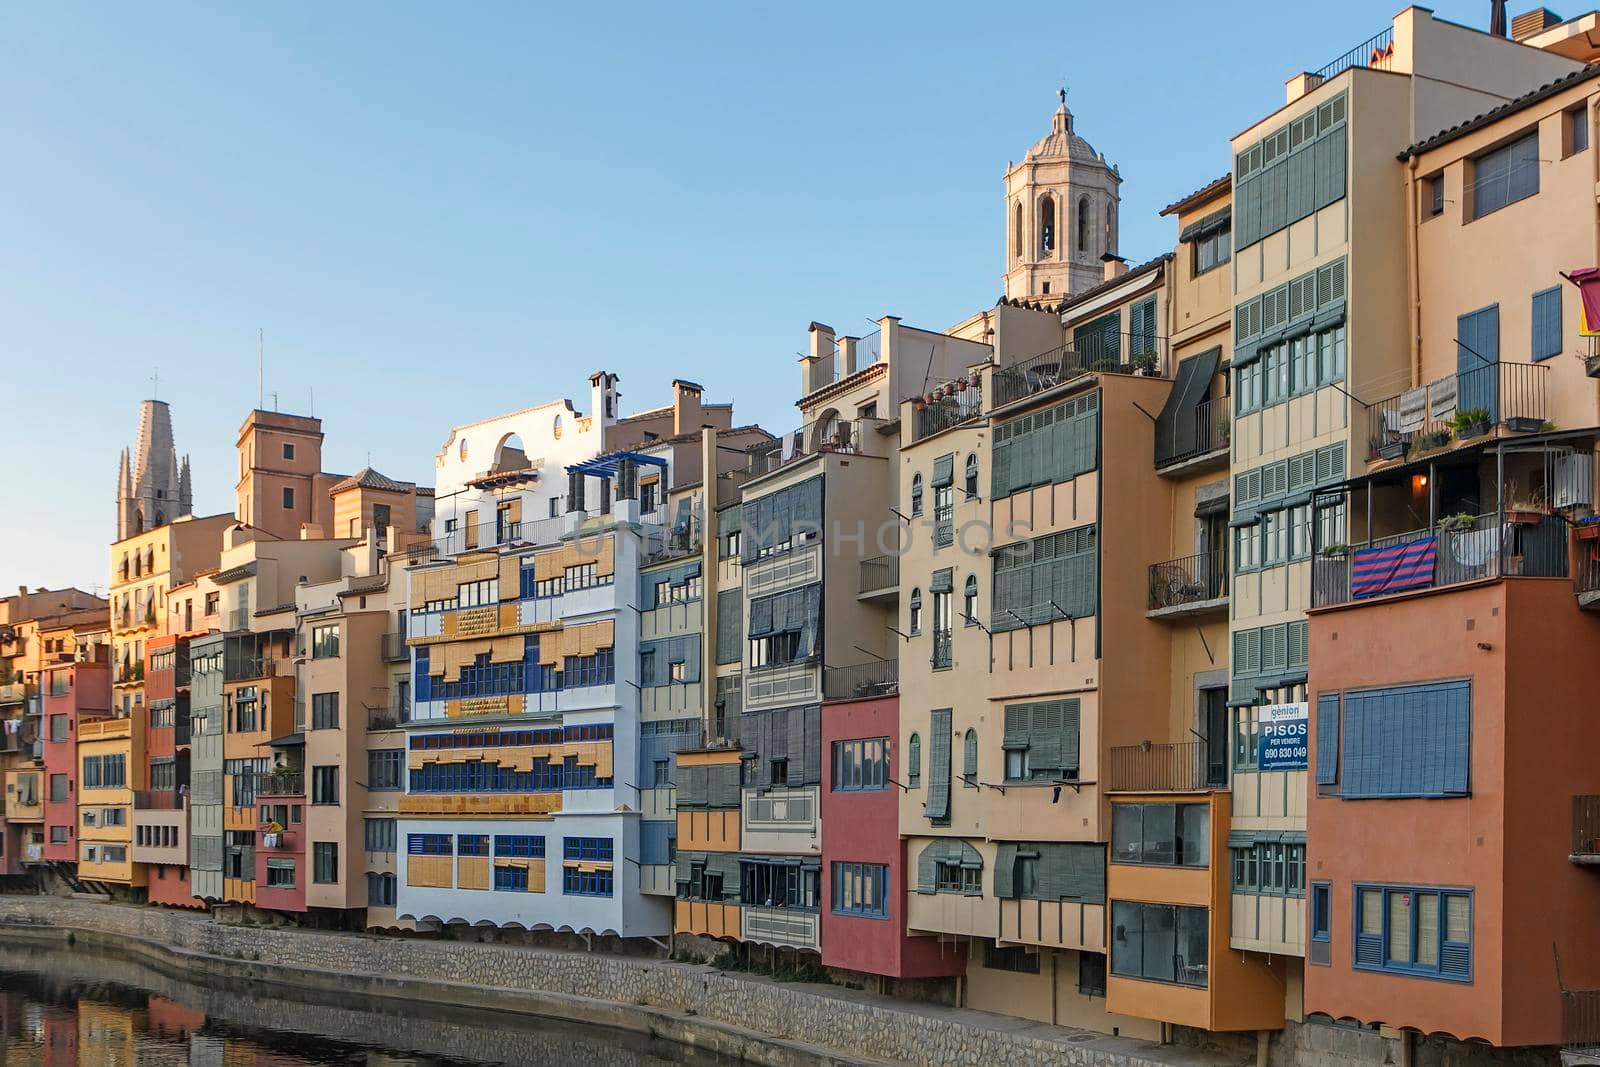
[[1580, 1020], [159, 800], [953, 410], [879, 572], [394, 648], [1490, 546], [1586, 828], [239, 619], [1177, 767], [1369, 53], [941, 649], [1212, 433], [874, 679], [389, 717], [1513, 395], [281, 784], [1190, 580], [848, 436]]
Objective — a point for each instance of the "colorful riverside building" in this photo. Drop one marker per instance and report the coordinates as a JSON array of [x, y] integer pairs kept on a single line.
[[1324, 296], [1470, 507], [521, 805], [160, 810]]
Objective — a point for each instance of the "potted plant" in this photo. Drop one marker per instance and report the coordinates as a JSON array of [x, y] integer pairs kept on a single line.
[[1225, 430], [1145, 364], [1588, 528], [1591, 366], [1433, 439], [1471, 422], [1527, 510], [1459, 521], [1394, 446], [1524, 424], [1335, 550], [1104, 366]]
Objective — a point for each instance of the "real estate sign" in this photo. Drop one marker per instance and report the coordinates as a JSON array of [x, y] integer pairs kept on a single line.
[[1284, 731]]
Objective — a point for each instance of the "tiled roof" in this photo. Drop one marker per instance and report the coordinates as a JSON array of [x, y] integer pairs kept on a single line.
[[1111, 283], [1206, 192], [367, 478], [1478, 122]]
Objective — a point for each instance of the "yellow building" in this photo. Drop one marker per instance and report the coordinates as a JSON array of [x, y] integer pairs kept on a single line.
[[111, 766]]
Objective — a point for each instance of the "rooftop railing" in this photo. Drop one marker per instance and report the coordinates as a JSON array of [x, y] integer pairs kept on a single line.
[[879, 572], [848, 436], [874, 679], [1369, 53], [962, 406], [1178, 767], [1120, 353], [1212, 433]]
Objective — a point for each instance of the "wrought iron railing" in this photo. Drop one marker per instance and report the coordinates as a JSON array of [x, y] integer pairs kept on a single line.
[[1369, 53], [1489, 546], [941, 649], [281, 784], [1514, 395], [1122, 353], [1176, 767], [1586, 826], [1212, 433], [873, 679], [879, 572], [953, 410], [848, 436], [1190, 580], [1580, 1020]]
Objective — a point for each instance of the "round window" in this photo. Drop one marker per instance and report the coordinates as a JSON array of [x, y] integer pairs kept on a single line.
[[555, 428]]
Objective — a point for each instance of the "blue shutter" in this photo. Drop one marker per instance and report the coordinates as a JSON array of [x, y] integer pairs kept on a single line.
[[1328, 739], [1547, 323], [1477, 353]]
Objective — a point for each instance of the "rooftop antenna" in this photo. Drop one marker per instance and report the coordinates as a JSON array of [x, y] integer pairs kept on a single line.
[[274, 401], [155, 386], [261, 367]]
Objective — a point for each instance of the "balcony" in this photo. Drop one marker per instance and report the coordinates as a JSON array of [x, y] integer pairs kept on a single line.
[[830, 434], [1191, 586], [879, 580], [1585, 831], [682, 538], [1122, 353], [1213, 431], [1457, 408], [876, 679], [390, 716], [1471, 549], [1373, 53], [281, 784], [964, 404], [15, 693], [159, 800], [394, 648], [942, 656], [1180, 767], [239, 619], [251, 667]]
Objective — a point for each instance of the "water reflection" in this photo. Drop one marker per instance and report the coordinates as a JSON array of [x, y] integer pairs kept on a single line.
[[69, 1008]]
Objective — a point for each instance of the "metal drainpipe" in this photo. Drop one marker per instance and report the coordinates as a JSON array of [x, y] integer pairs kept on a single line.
[[1414, 275]]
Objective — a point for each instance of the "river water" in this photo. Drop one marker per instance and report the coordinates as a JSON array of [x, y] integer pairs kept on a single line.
[[63, 1007]]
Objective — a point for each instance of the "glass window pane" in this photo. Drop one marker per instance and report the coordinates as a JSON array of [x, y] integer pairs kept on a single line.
[[1399, 927], [1127, 940], [1194, 836], [1160, 833], [1160, 943], [1126, 832], [1457, 919], [1428, 929], [1371, 911], [1192, 962]]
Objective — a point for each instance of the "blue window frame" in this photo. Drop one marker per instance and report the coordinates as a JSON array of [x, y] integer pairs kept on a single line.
[[1400, 741], [1321, 911], [429, 844], [579, 883], [861, 890], [511, 879], [1422, 931], [586, 848], [472, 845], [519, 846]]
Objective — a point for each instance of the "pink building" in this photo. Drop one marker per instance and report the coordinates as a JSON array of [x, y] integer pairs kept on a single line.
[[71, 692]]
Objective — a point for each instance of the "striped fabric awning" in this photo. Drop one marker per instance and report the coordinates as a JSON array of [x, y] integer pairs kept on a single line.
[[1394, 569]]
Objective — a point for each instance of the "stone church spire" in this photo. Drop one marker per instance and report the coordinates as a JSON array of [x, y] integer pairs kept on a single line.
[[1061, 214], [154, 491]]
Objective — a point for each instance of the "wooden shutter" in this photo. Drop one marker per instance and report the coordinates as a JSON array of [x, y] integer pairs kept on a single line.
[[1005, 867], [1328, 714], [1075, 872], [928, 866], [938, 808]]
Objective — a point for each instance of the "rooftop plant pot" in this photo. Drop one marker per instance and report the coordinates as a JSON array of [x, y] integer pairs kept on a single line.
[[1589, 531], [1394, 449], [1591, 366], [1524, 516], [1523, 424], [1474, 429]]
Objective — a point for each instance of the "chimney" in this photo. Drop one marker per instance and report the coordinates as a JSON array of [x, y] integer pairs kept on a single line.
[[816, 368], [686, 406], [1497, 17], [847, 356], [603, 397], [1530, 23], [1115, 266]]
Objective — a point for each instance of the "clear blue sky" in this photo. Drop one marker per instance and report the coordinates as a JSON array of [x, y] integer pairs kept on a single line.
[[442, 212]]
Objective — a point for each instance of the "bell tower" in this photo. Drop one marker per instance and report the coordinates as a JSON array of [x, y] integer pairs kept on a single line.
[[1061, 214]]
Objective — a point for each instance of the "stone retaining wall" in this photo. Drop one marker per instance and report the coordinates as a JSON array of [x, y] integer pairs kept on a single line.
[[792, 1023]]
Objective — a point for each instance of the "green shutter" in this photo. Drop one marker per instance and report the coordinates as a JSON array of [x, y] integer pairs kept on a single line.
[[1005, 866], [1075, 872], [938, 808], [927, 867], [944, 471], [692, 787], [1019, 726], [943, 581], [730, 629], [1069, 736]]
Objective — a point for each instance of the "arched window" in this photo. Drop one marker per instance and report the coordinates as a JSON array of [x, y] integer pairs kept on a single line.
[[972, 476], [969, 758], [1111, 225], [914, 762], [969, 600], [1047, 227], [1083, 224], [916, 611], [1017, 248], [916, 493]]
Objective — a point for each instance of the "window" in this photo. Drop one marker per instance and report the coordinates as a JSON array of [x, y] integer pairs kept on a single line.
[[1045, 580], [324, 711], [1173, 835], [1547, 323], [1292, 172], [953, 876], [969, 759], [647, 498], [779, 885], [1159, 942], [58, 788], [1400, 741], [783, 627], [386, 770], [1015, 958], [325, 785], [860, 765], [1321, 911], [1416, 930], [325, 862], [105, 772], [916, 493], [472, 845], [969, 601], [1049, 446], [971, 482], [1433, 190], [1041, 741], [1091, 974], [1505, 175], [861, 889], [280, 873], [519, 846], [1213, 248], [594, 882], [59, 834], [914, 762], [1269, 868], [380, 835], [380, 890], [325, 641], [430, 845], [244, 710], [288, 451], [916, 611], [1575, 132], [163, 775]]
